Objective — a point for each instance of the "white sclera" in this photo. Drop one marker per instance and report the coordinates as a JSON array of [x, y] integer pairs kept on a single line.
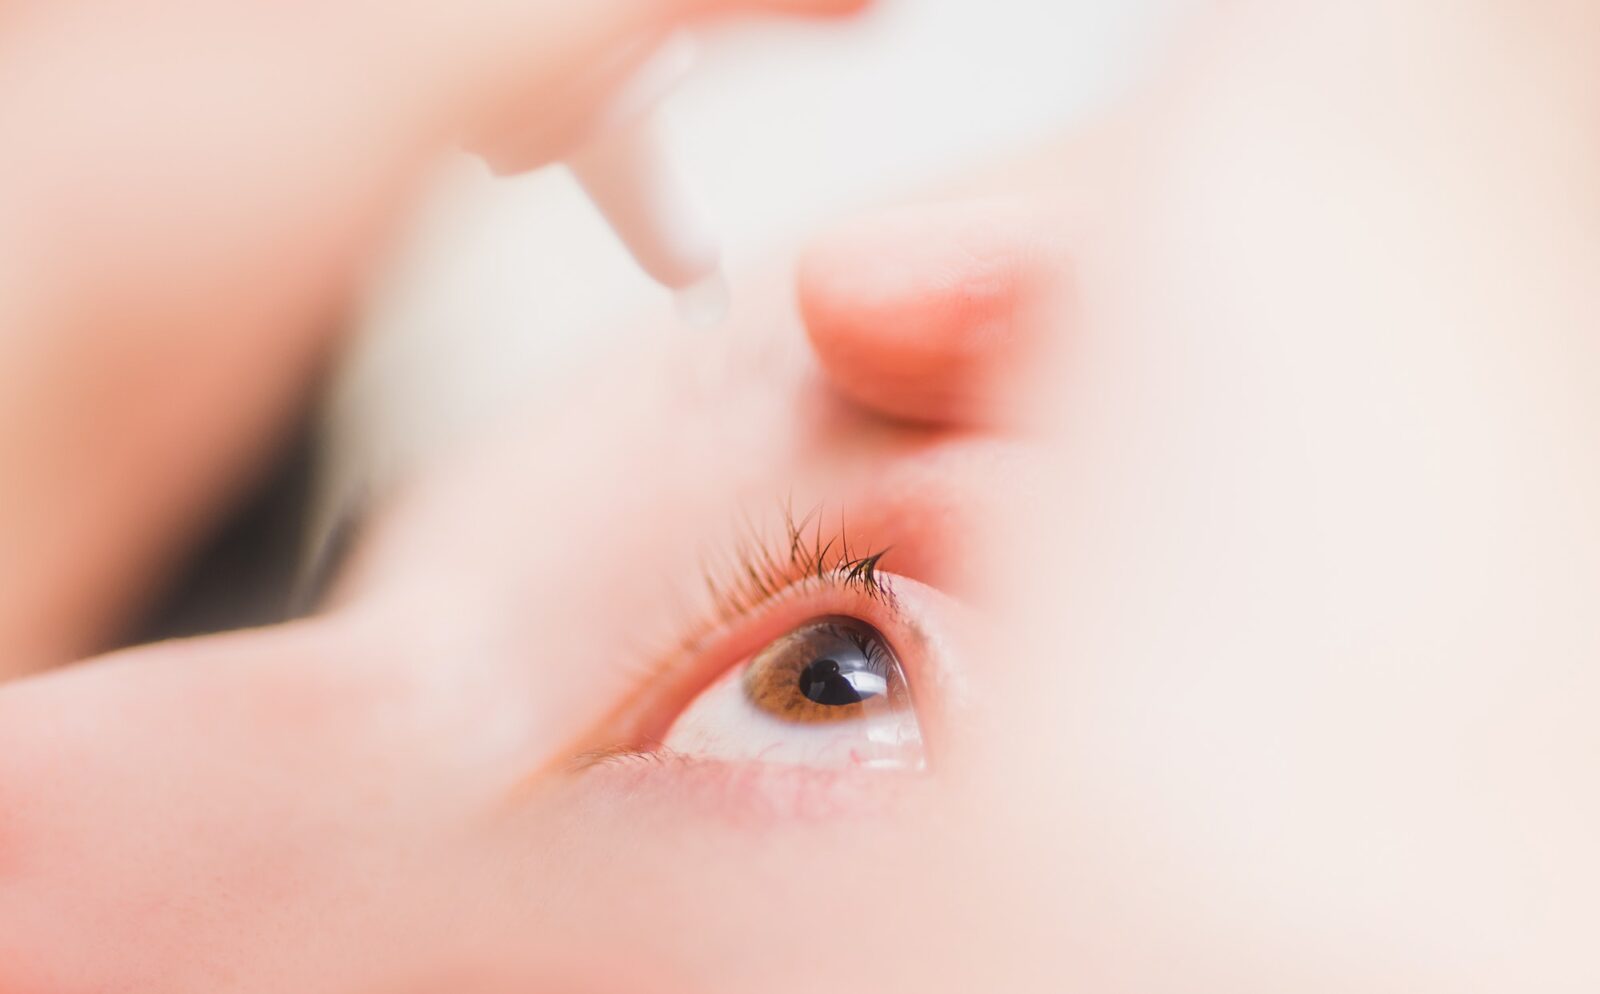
[[722, 723]]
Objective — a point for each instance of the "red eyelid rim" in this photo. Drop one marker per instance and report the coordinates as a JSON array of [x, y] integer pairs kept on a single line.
[[909, 617]]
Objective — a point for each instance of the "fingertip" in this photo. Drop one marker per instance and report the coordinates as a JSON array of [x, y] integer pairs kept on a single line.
[[915, 313], [781, 8], [822, 8]]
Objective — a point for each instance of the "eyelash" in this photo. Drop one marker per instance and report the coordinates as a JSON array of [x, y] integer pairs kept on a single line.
[[759, 572]]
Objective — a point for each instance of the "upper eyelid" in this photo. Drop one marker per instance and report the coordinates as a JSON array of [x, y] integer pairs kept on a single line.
[[763, 581], [804, 590], [761, 568]]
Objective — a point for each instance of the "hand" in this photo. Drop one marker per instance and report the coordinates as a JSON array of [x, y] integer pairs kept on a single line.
[[189, 193]]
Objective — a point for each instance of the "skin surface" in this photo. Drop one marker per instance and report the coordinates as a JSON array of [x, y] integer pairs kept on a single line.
[[1241, 528], [200, 187]]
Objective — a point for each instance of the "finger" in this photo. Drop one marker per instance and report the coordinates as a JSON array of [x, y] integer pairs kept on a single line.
[[507, 64], [809, 8], [932, 314]]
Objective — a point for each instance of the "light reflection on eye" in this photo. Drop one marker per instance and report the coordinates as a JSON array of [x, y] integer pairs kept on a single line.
[[828, 693]]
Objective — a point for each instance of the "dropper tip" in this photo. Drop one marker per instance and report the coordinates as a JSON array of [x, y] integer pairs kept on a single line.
[[704, 304]]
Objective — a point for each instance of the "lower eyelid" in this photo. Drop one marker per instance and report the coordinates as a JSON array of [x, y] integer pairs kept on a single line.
[[747, 792]]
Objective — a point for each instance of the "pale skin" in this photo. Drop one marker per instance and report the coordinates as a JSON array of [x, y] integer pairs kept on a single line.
[[202, 186], [1240, 516]]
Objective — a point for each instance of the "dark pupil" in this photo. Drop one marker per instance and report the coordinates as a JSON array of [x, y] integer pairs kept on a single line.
[[822, 681]]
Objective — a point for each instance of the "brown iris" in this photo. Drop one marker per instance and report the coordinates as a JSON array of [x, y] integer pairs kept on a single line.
[[829, 669]]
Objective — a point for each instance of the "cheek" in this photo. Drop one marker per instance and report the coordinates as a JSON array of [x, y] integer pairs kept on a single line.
[[166, 817], [713, 886], [114, 829]]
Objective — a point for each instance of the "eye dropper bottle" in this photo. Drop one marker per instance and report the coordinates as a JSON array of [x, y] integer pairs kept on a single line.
[[613, 148], [621, 165]]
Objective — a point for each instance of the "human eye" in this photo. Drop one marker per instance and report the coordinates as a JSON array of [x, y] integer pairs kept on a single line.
[[813, 659], [830, 692]]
